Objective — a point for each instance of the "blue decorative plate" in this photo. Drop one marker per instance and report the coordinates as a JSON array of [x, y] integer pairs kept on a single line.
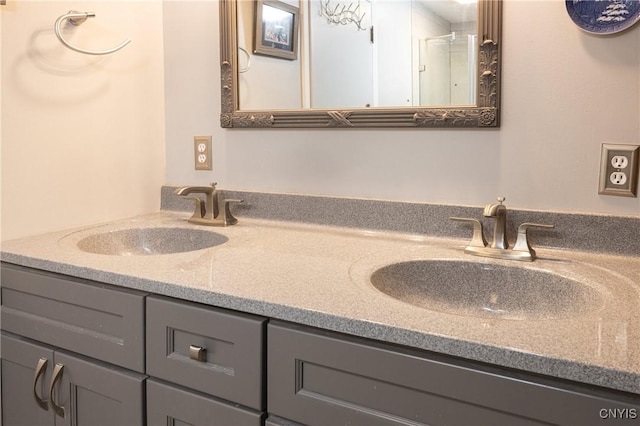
[[604, 16]]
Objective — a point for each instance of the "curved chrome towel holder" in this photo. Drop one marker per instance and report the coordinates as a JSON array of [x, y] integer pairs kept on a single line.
[[246, 68], [77, 18]]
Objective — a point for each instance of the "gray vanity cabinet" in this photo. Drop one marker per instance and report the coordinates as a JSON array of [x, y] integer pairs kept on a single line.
[[323, 378], [63, 340], [214, 360], [84, 392], [111, 356]]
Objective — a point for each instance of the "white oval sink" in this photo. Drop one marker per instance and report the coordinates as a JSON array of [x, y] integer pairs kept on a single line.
[[150, 241], [486, 290]]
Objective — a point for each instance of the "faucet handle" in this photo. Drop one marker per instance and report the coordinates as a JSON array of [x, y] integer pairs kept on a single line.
[[522, 242], [501, 200], [228, 218], [200, 209], [477, 240]]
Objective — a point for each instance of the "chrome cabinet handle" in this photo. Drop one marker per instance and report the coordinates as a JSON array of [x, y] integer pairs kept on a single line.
[[40, 370], [57, 375], [198, 353]]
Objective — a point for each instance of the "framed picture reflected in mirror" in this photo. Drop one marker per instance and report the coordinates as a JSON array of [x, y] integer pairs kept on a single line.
[[276, 29]]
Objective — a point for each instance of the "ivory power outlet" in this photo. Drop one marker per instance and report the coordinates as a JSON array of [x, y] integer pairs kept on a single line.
[[619, 170], [202, 152]]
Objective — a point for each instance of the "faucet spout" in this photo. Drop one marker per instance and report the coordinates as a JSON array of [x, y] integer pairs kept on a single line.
[[211, 209], [499, 211], [493, 210], [186, 190]]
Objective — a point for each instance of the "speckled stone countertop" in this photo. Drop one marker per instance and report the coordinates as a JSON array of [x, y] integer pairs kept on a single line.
[[319, 276]]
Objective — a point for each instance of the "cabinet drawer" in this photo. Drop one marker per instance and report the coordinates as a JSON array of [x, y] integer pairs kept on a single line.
[[168, 404], [232, 350], [320, 378], [89, 318]]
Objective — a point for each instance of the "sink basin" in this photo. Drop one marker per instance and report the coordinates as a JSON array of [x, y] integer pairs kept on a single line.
[[150, 241], [486, 290]]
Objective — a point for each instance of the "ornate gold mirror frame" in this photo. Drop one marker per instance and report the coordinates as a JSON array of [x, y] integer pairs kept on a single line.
[[486, 112]]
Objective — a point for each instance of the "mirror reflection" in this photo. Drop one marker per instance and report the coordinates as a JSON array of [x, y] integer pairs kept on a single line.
[[424, 68], [363, 53]]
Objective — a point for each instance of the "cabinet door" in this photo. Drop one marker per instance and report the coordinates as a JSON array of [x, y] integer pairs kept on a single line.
[[20, 360], [93, 393], [169, 405]]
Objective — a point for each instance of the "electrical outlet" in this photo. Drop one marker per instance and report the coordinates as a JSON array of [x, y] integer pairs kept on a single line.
[[619, 170], [620, 162], [202, 152]]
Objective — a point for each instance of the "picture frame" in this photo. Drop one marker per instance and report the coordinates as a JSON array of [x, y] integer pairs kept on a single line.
[[276, 29]]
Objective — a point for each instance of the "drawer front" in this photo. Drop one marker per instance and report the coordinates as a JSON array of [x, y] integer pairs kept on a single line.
[[207, 349], [89, 318], [320, 378], [170, 405], [277, 421]]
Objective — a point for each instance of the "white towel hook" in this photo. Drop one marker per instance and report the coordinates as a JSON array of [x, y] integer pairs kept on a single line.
[[77, 18]]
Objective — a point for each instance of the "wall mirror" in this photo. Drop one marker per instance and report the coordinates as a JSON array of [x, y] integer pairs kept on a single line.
[[360, 63]]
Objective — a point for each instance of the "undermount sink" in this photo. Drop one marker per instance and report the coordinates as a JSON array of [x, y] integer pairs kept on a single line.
[[150, 241], [486, 290]]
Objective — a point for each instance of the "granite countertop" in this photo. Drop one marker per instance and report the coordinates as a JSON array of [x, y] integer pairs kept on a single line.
[[318, 276]]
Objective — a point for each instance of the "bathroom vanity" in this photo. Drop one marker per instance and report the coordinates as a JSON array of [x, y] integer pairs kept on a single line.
[[281, 325]]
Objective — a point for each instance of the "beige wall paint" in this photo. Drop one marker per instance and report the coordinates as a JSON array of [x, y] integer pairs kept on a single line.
[[564, 93], [82, 136]]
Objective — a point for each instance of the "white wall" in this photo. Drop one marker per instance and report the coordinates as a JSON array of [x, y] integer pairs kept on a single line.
[[82, 136], [564, 93]]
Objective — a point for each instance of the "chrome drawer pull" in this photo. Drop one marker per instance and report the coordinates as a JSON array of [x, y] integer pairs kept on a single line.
[[40, 369], [198, 353], [57, 375]]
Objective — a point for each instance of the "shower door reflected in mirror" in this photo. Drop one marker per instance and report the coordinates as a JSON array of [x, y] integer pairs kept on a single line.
[[447, 69]]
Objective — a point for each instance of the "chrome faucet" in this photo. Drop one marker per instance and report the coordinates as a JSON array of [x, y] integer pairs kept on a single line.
[[499, 246], [207, 212]]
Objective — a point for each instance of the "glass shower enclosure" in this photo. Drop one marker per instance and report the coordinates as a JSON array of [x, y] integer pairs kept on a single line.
[[447, 66]]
